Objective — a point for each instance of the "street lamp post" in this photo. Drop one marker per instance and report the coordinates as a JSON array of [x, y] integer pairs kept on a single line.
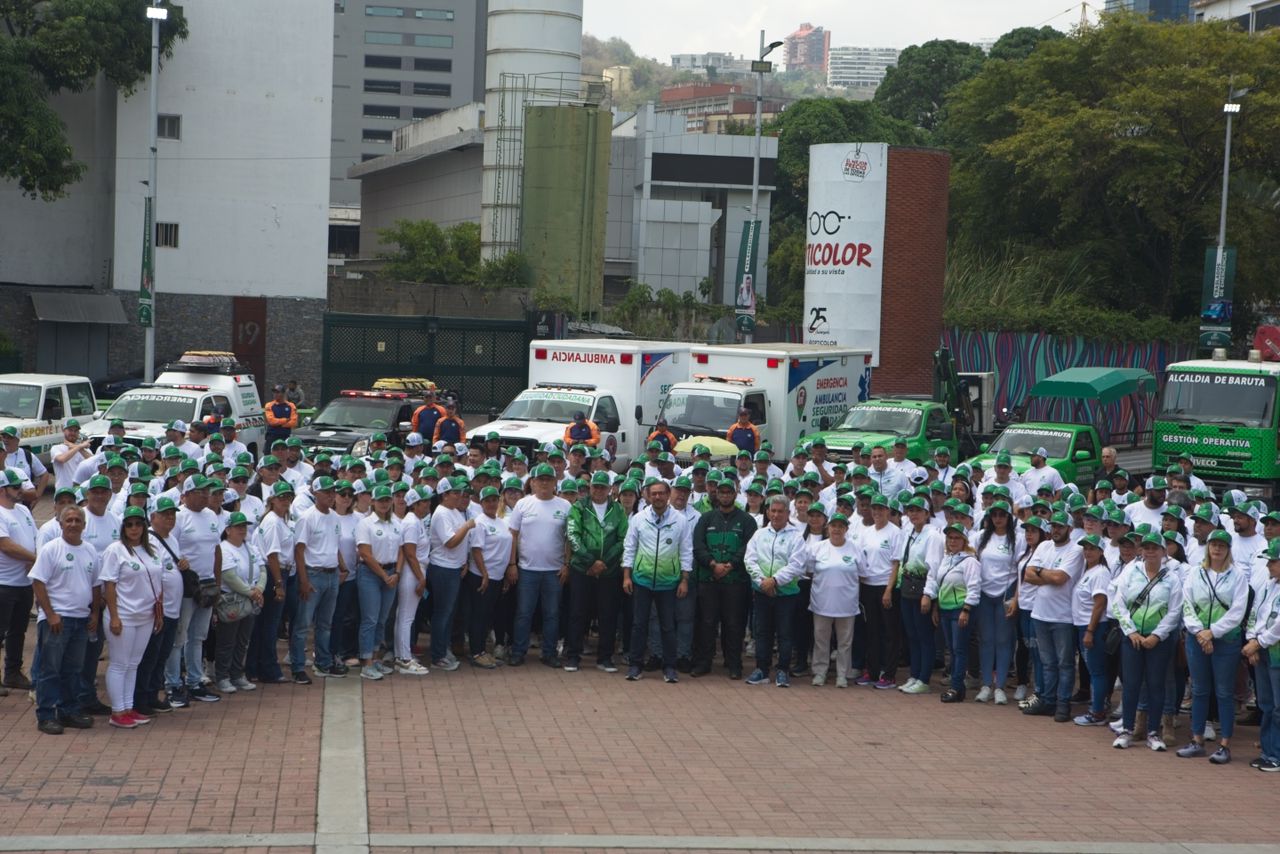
[[1230, 109], [147, 290], [753, 228]]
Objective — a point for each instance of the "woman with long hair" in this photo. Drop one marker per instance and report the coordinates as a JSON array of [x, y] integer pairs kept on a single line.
[[379, 541], [241, 572], [997, 550], [133, 591], [1089, 614], [413, 581]]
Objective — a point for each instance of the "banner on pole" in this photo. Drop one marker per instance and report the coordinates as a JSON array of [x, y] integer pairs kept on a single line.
[[746, 278], [146, 293], [1216, 298]]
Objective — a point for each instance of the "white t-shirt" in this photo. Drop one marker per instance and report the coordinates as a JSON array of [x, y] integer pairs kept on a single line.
[[319, 533], [837, 573], [274, 536], [1094, 580], [69, 573], [16, 524], [64, 474], [170, 576], [347, 541], [1139, 513], [541, 525], [1053, 601], [998, 561], [138, 583], [48, 532], [417, 533], [1046, 475], [493, 538], [383, 538], [199, 534], [100, 531], [882, 548], [445, 521], [242, 561]]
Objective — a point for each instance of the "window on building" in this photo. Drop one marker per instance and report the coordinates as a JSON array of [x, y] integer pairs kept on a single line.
[[384, 11], [166, 235], [1265, 19], [339, 7], [387, 87], [432, 41], [442, 90], [433, 14], [169, 127], [425, 64], [377, 61], [381, 111], [425, 112], [372, 135], [371, 37]]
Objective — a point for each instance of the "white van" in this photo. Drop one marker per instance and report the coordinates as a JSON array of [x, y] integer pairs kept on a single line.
[[38, 405]]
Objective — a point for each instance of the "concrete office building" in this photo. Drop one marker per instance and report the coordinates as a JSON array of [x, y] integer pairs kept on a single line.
[[1252, 16], [712, 63], [1157, 10], [807, 49], [860, 67]]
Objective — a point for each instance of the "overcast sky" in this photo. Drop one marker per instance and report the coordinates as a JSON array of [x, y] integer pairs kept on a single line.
[[659, 28]]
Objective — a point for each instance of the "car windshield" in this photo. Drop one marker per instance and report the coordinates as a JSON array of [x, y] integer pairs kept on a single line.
[[1016, 441], [19, 400], [897, 420], [1212, 398], [702, 410], [152, 406], [556, 407], [357, 412]]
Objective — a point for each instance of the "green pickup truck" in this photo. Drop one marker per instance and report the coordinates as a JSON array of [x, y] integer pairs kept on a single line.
[[883, 421], [1075, 450]]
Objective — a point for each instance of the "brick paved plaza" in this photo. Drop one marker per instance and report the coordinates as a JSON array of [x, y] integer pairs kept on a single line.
[[536, 759]]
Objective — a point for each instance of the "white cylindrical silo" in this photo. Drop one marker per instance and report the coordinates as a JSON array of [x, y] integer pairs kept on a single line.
[[525, 38]]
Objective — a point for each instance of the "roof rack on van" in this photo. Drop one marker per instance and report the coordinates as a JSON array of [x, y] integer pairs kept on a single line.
[[579, 386], [404, 384], [209, 362]]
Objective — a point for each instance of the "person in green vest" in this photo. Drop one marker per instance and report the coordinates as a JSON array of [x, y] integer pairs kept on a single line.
[[719, 548], [596, 531]]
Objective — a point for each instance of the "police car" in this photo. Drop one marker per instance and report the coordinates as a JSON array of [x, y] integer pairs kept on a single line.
[[203, 385], [37, 405], [346, 424]]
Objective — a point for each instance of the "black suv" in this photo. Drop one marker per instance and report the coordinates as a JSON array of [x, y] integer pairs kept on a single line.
[[347, 423]]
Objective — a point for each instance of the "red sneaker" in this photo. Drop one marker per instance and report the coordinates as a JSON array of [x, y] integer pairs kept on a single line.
[[122, 720], [137, 717]]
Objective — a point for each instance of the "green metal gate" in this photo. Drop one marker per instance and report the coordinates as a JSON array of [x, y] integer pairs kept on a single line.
[[486, 362]]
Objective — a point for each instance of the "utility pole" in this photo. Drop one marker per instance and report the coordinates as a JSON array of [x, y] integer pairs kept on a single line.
[[147, 288]]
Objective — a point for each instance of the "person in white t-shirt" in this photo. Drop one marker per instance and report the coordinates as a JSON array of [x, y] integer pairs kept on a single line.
[[199, 530], [1054, 569], [538, 526], [416, 545], [379, 540], [132, 590], [17, 554], [274, 539], [449, 532], [491, 552], [26, 463], [66, 589], [67, 455]]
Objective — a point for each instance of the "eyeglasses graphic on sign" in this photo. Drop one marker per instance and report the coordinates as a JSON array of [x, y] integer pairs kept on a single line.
[[827, 223]]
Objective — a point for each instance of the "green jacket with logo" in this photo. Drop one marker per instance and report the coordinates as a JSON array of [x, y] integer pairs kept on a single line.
[[723, 537], [591, 539]]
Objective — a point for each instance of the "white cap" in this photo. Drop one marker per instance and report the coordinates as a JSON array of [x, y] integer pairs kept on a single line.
[[439, 446], [413, 440], [1040, 452], [918, 476], [1022, 502], [177, 424], [359, 487], [460, 448]]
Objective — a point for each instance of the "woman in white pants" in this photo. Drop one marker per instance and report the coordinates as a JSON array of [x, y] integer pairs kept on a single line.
[[132, 588], [413, 584]]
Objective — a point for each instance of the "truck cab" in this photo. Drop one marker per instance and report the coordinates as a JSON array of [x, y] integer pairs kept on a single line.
[[701, 412], [923, 422], [1075, 450], [37, 405]]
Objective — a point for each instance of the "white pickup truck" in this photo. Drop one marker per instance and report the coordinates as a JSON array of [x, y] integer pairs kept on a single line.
[[38, 405]]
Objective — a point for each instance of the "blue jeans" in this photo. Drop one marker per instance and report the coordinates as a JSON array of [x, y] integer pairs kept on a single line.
[[534, 588], [775, 615], [154, 660], [1027, 631], [1143, 673], [318, 609], [445, 582], [262, 662], [995, 641], [642, 600], [375, 604], [1096, 660], [958, 640], [920, 647], [60, 656], [1057, 645], [1213, 674], [1267, 682]]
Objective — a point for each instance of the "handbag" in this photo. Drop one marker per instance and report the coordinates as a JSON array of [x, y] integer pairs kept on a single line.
[[233, 607], [190, 581], [912, 584], [208, 593]]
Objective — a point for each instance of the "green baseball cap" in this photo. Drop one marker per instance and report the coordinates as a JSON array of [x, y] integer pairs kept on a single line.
[[1004, 459], [542, 470], [237, 518], [600, 478], [1220, 536], [381, 491], [1272, 551], [629, 486], [1092, 540], [1060, 518], [489, 492], [957, 529], [1036, 522], [164, 505], [98, 481], [283, 487], [137, 489], [134, 513], [323, 483], [879, 500], [514, 483], [838, 518]]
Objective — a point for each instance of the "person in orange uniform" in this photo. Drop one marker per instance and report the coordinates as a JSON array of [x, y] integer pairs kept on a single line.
[[450, 428], [426, 415], [743, 433], [581, 432], [664, 436], [282, 416]]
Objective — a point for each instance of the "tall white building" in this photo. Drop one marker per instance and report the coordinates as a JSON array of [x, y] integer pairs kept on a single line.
[[1252, 16], [860, 67]]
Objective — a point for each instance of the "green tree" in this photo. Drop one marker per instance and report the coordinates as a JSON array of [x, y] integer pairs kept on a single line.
[[1019, 43], [915, 91], [62, 46]]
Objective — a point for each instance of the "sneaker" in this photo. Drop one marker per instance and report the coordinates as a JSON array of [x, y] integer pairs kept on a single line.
[[18, 681], [1117, 726], [918, 688], [484, 661], [1269, 766], [338, 669], [123, 721], [634, 673], [819, 679], [178, 698], [552, 661], [371, 672], [351, 662], [1257, 763], [1221, 756], [225, 687], [883, 684], [800, 669], [669, 675], [1038, 707], [606, 665], [1210, 734], [243, 684], [138, 717], [163, 706], [387, 669], [864, 679], [908, 684], [452, 658], [97, 707], [1021, 693], [203, 694], [572, 665], [1000, 698], [499, 651], [1123, 740], [300, 677], [782, 680], [1156, 743], [450, 666], [320, 672], [410, 667], [984, 696], [842, 682], [1191, 750], [1089, 719], [757, 677]]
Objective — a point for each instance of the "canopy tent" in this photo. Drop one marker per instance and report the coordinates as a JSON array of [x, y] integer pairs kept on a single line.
[[1105, 385]]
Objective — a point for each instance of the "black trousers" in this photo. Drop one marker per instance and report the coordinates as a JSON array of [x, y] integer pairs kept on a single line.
[[884, 632], [721, 606], [15, 613], [601, 595]]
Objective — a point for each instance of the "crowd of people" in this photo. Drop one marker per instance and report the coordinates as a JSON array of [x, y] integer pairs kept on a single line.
[[764, 569]]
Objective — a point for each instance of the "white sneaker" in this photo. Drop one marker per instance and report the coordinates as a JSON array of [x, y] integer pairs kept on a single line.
[[385, 668], [243, 684], [410, 667], [819, 679], [225, 687], [1117, 726], [1001, 698], [1156, 743], [842, 682], [451, 658], [371, 672], [1021, 693], [1123, 740], [918, 688], [1210, 734], [984, 695], [499, 651]]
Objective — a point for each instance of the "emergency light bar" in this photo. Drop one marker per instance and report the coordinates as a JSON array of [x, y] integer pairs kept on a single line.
[[384, 395], [737, 380], [576, 386]]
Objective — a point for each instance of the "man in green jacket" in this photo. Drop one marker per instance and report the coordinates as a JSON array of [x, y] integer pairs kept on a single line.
[[596, 531], [724, 589]]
